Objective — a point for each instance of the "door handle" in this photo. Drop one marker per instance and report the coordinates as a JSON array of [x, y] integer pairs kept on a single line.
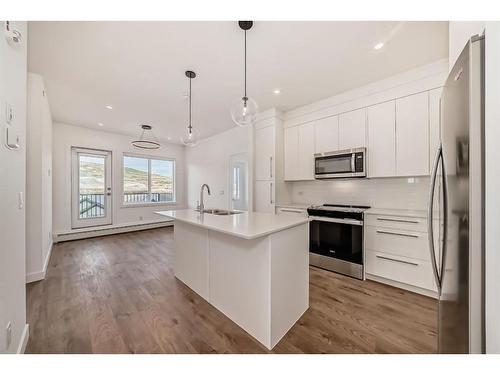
[[270, 167], [271, 193], [430, 213]]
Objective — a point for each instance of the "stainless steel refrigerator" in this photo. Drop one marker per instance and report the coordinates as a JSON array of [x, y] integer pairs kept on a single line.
[[456, 206]]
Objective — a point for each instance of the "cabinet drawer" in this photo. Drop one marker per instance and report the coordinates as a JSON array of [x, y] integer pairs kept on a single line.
[[291, 211], [398, 222], [399, 242], [404, 270]]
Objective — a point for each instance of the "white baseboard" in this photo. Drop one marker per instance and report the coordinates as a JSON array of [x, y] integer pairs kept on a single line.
[[81, 233], [40, 275], [397, 284], [23, 342]]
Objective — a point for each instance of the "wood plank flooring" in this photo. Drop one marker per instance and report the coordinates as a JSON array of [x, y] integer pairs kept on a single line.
[[118, 294]]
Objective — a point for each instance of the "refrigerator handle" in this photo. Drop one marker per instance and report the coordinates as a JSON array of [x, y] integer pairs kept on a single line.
[[430, 214], [445, 217]]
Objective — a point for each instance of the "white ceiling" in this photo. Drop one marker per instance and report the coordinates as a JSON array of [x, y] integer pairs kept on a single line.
[[138, 67]]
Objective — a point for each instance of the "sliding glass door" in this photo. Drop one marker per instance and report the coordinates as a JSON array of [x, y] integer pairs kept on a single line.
[[91, 188]]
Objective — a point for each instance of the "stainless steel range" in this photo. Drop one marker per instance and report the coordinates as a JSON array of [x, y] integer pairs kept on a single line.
[[336, 238]]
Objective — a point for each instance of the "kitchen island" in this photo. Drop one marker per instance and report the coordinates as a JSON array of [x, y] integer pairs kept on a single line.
[[253, 267]]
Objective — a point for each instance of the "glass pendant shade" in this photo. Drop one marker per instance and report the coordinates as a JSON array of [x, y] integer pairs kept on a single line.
[[191, 138], [244, 111]]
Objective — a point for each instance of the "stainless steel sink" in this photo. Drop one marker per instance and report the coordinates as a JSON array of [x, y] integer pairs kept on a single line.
[[221, 212]]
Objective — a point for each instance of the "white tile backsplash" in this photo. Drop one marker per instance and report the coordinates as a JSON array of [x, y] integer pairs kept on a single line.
[[399, 193]]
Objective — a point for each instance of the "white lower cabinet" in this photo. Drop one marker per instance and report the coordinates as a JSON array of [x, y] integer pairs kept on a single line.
[[292, 211], [397, 251]]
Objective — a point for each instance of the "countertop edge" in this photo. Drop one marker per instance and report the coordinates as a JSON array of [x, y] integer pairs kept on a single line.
[[237, 234]]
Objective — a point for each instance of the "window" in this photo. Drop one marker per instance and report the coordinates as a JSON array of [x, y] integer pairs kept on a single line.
[[148, 180]]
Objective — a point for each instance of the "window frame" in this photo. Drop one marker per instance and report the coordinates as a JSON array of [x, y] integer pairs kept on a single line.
[[149, 158]]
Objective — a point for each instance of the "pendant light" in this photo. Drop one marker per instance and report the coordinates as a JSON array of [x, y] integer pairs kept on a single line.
[[147, 140], [244, 110], [192, 137]]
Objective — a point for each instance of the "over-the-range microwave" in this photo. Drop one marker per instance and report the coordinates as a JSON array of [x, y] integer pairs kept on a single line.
[[340, 164]]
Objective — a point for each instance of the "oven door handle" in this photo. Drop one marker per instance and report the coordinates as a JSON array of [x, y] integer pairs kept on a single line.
[[334, 220]]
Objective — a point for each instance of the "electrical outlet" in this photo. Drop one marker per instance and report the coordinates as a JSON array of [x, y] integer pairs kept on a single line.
[[8, 335], [140, 218], [221, 192]]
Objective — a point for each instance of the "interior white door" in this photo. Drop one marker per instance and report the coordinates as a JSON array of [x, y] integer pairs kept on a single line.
[[326, 134], [291, 152], [306, 151], [264, 153], [91, 188], [412, 135], [352, 129], [382, 140], [238, 177]]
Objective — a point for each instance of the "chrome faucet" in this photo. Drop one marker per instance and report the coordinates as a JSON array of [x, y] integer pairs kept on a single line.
[[201, 206]]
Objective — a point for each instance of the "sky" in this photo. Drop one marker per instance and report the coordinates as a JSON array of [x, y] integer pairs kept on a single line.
[[160, 167]]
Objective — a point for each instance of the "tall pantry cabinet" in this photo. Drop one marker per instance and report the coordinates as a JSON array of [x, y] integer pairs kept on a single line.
[[268, 161]]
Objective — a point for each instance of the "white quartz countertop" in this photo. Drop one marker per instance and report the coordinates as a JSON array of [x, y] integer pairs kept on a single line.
[[247, 225]]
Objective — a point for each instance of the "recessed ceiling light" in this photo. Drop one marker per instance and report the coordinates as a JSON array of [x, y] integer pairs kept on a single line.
[[169, 138], [100, 124], [378, 45], [277, 91], [109, 106]]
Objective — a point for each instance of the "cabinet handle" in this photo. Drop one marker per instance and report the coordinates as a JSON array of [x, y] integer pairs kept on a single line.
[[291, 210], [398, 220], [397, 260], [270, 167], [398, 234], [271, 193]]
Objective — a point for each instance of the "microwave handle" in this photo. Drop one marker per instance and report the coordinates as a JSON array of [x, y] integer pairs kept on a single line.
[[353, 162]]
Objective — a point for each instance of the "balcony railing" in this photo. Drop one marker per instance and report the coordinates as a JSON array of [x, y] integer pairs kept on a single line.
[[92, 205]]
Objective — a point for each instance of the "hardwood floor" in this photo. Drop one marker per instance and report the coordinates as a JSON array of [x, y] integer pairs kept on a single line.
[[118, 294]]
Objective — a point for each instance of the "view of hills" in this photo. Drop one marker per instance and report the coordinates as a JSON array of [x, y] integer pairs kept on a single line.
[[135, 180]]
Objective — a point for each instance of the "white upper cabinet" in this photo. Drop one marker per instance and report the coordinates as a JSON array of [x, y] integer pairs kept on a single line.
[[434, 123], [264, 153], [326, 134], [352, 129], [299, 152], [306, 151], [382, 140], [291, 151], [412, 135]]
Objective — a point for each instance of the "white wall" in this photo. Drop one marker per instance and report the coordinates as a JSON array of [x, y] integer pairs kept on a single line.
[[66, 136], [492, 187], [459, 32], [38, 180], [12, 183], [208, 162]]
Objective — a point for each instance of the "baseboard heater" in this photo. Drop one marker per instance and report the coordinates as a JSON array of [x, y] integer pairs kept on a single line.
[[105, 231]]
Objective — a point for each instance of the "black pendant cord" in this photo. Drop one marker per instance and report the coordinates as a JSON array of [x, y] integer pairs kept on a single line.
[[190, 126], [245, 66]]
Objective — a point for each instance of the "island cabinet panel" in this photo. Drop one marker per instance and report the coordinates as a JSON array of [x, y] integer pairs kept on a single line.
[[352, 129], [239, 282], [191, 257], [412, 135], [289, 295], [382, 140]]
